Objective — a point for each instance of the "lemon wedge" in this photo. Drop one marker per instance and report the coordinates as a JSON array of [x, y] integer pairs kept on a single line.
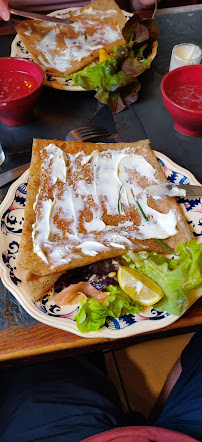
[[140, 288]]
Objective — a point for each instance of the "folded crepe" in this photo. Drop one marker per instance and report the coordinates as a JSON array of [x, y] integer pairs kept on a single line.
[[63, 49], [86, 203]]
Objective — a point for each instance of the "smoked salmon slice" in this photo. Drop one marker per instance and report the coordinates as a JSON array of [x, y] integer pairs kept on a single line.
[[76, 292]]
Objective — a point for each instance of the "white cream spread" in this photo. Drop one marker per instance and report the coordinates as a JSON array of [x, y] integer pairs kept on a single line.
[[91, 248], [92, 11], [176, 191], [42, 228], [56, 163], [58, 49], [79, 196]]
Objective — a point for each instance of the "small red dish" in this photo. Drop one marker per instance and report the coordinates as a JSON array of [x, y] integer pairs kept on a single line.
[[21, 83], [181, 91]]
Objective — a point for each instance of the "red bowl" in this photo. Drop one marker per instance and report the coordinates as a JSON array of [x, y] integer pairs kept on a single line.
[[21, 83], [181, 91]]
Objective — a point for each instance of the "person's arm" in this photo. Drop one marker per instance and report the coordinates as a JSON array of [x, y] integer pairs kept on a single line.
[[4, 10], [138, 5]]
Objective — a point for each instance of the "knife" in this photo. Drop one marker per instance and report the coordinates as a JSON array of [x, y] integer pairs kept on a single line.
[[43, 17], [180, 190], [12, 174]]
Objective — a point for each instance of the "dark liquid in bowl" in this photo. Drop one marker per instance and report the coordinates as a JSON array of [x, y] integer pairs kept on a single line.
[[188, 96], [16, 84]]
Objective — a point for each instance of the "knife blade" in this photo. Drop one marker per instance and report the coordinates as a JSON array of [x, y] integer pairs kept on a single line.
[[12, 174], [42, 17], [180, 190]]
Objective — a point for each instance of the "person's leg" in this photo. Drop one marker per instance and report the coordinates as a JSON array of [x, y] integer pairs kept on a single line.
[[68, 399], [169, 384], [183, 409]]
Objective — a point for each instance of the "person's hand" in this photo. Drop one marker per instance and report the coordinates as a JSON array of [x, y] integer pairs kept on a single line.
[[138, 5], [4, 10]]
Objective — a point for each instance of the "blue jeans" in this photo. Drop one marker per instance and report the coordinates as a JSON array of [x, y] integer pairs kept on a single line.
[[71, 399], [183, 409]]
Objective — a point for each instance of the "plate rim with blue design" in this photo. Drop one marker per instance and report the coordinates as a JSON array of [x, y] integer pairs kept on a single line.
[[45, 310]]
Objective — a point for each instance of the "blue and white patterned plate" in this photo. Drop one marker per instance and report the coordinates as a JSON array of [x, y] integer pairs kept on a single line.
[[19, 50], [45, 311]]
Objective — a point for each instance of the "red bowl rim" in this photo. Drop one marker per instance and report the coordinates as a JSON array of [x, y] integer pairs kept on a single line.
[[35, 89], [167, 96]]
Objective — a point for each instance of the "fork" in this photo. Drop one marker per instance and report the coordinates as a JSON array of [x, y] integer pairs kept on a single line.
[[85, 133], [155, 9]]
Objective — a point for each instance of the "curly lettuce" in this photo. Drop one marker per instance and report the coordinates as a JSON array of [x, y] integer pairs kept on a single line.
[[115, 79], [92, 314], [176, 277]]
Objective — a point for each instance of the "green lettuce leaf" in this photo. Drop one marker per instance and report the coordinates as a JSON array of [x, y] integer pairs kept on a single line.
[[193, 251], [106, 75], [92, 314], [114, 79], [121, 97], [137, 64], [176, 277]]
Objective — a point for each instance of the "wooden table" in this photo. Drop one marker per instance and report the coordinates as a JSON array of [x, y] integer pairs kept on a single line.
[[57, 112]]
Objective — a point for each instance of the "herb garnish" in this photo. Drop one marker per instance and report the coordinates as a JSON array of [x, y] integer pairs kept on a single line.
[[158, 240], [119, 198]]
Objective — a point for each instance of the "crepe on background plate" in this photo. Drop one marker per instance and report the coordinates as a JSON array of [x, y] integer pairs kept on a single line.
[[81, 208], [63, 49]]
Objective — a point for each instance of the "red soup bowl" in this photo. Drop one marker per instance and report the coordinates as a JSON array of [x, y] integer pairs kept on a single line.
[[181, 91], [21, 83]]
